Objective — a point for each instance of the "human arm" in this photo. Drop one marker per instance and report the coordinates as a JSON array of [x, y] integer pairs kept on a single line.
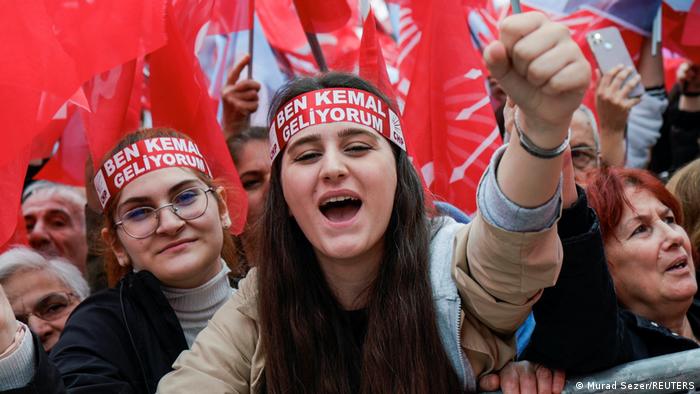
[[507, 266], [545, 76], [16, 349], [646, 118], [239, 99], [613, 106], [23, 358]]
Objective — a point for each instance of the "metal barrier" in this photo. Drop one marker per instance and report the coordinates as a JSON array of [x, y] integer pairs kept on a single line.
[[671, 373]]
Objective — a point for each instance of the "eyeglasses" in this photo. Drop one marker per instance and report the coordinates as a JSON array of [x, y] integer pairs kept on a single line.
[[584, 157], [53, 306], [142, 222]]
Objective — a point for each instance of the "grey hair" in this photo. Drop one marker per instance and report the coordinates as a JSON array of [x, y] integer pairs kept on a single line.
[[21, 258], [594, 125], [45, 188]]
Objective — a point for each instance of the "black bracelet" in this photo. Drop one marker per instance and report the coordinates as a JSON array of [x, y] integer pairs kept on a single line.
[[531, 148]]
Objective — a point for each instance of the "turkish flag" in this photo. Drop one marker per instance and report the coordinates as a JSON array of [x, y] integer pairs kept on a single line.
[[114, 98], [450, 125], [180, 99], [50, 47]]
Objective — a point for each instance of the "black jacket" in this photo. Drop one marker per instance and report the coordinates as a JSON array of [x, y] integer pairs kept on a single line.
[[121, 340], [579, 325], [679, 140]]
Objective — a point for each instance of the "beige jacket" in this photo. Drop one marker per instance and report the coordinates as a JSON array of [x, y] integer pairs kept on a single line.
[[499, 275]]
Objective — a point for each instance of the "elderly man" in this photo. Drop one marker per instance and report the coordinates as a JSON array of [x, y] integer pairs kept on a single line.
[[55, 218]]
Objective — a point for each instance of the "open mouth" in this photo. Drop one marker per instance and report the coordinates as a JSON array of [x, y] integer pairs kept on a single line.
[[678, 266], [340, 209]]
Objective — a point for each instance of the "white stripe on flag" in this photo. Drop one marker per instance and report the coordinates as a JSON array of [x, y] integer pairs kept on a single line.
[[458, 172], [467, 112]]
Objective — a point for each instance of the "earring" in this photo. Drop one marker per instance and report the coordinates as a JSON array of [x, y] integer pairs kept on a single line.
[[123, 260], [226, 222]]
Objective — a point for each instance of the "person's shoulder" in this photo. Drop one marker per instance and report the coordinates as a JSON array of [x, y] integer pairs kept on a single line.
[[106, 300], [95, 326], [243, 304], [445, 226]]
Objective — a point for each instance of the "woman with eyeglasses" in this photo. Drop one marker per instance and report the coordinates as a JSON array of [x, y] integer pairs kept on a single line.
[[168, 247], [41, 291], [358, 289]]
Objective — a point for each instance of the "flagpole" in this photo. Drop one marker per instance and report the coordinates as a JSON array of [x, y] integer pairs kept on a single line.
[[251, 34], [656, 33], [364, 10], [316, 51], [515, 6]]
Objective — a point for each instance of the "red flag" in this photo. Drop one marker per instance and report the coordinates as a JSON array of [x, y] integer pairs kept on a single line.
[[691, 28], [286, 36], [675, 25], [372, 65], [115, 106], [230, 16], [19, 236], [451, 129], [322, 16], [50, 47], [36, 75], [68, 164], [11, 229], [131, 28], [180, 99]]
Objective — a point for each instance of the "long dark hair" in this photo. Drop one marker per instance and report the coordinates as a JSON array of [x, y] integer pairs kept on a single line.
[[303, 330]]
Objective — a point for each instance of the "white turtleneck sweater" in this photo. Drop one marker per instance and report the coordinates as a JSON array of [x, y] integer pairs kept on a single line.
[[194, 307]]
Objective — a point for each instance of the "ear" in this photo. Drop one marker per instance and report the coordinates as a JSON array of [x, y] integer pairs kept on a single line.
[[223, 208], [117, 248]]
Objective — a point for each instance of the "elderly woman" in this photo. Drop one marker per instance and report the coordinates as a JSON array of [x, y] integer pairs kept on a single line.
[[42, 292], [651, 273]]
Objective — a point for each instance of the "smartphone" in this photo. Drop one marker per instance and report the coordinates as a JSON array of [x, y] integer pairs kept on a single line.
[[609, 50]]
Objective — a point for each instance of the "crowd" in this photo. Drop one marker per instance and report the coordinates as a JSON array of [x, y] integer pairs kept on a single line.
[[348, 277]]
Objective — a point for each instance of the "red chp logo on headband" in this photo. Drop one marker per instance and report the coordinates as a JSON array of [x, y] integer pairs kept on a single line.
[[143, 157], [334, 105]]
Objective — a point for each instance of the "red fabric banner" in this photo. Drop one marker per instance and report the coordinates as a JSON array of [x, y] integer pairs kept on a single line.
[[230, 16], [287, 38], [50, 47], [675, 26], [450, 125], [68, 164], [372, 65], [19, 236], [322, 16], [115, 106], [180, 99], [12, 230], [691, 28]]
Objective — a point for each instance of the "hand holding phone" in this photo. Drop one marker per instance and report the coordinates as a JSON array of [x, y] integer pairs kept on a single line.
[[610, 51]]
